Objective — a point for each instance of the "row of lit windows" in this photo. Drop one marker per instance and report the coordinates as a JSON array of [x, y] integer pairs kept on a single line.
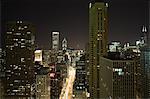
[[18, 33]]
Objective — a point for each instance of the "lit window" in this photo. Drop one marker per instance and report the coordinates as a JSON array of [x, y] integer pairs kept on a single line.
[[22, 46], [25, 27], [11, 48], [22, 39], [9, 32], [28, 32], [22, 43], [18, 33], [80, 87], [22, 59], [22, 28], [8, 71], [19, 68], [16, 67], [19, 28], [16, 80], [120, 73]]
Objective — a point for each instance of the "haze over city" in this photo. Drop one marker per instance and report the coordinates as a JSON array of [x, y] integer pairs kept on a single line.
[[70, 17]]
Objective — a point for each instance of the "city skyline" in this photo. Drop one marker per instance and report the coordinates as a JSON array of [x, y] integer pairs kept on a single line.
[[70, 18], [87, 49], [52, 18]]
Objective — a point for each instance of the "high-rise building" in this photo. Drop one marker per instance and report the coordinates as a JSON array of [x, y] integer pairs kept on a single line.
[[43, 83], [55, 41], [80, 83], [57, 74], [145, 36], [64, 44], [145, 62], [114, 47], [125, 82], [98, 27], [145, 59], [98, 34], [19, 41], [1, 73]]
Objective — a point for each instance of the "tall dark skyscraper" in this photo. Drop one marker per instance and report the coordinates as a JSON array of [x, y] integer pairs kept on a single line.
[[98, 27], [145, 60], [98, 40], [19, 42]]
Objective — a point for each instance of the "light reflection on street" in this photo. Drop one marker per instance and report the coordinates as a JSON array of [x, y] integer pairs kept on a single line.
[[68, 86]]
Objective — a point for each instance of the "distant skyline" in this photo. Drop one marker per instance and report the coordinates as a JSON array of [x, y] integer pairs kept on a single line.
[[70, 17]]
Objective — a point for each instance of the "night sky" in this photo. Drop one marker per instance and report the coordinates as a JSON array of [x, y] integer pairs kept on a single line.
[[70, 17]]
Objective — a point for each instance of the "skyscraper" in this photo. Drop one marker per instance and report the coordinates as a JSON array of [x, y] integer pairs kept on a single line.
[[64, 44], [1, 73], [98, 34], [80, 83], [55, 41], [145, 60], [43, 83], [19, 47], [125, 79], [98, 27]]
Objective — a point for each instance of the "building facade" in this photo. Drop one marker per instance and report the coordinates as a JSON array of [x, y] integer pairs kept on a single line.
[[43, 84], [1, 73], [145, 63], [64, 44], [55, 41], [80, 84], [125, 79], [145, 59], [57, 76], [19, 47], [98, 40]]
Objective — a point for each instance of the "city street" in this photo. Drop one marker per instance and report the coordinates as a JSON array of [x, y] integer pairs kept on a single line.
[[68, 86]]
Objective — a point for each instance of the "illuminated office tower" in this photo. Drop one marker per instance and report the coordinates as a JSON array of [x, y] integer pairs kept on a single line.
[[125, 81], [19, 47], [98, 34], [64, 44], [55, 41], [43, 83]]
